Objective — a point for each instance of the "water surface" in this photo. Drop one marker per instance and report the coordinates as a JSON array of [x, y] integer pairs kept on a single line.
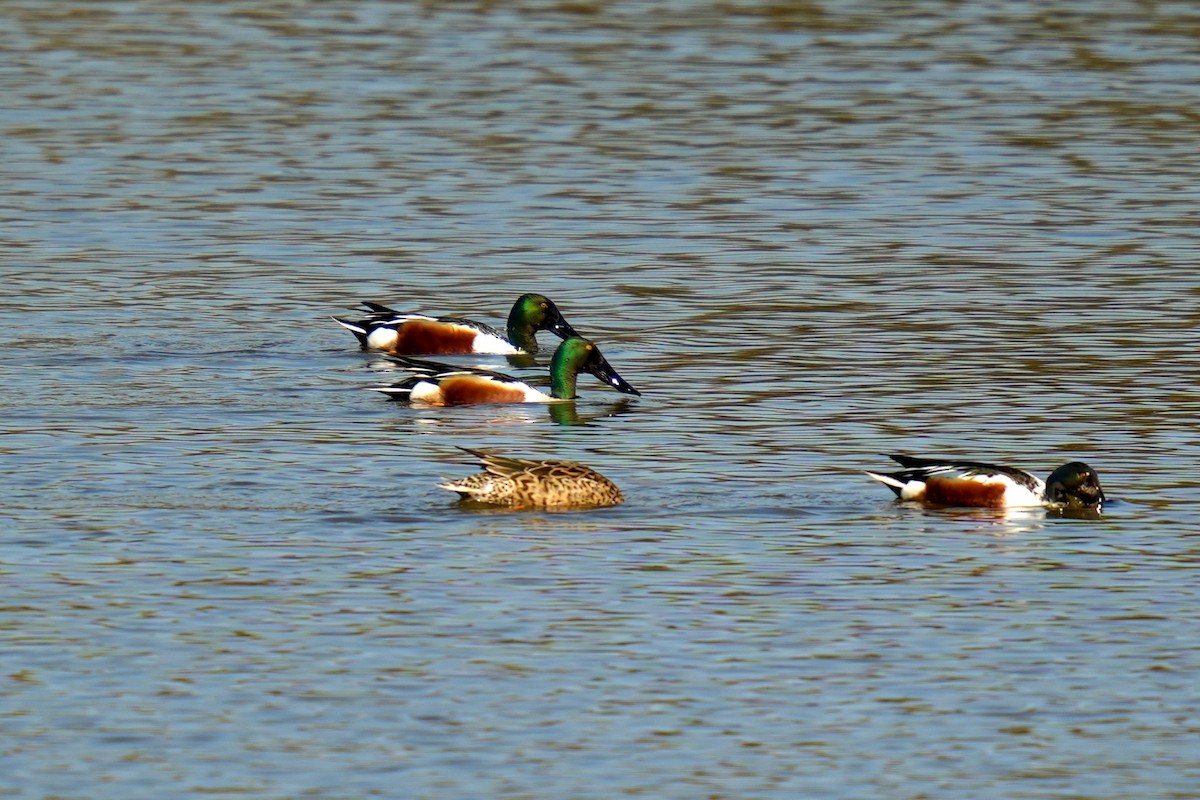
[[810, 234]]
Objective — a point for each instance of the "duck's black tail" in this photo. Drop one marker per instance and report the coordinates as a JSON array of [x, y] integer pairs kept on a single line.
[[357, 329]]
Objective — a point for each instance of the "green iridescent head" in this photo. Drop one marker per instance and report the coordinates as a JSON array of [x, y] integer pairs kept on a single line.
[[532, 313], [1075, 485], [576, 355]]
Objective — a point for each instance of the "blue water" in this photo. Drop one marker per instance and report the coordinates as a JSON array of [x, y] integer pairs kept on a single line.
[[809, 234]]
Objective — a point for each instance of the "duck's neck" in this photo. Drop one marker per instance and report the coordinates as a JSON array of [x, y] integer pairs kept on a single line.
[[521, 334], [563, 375]]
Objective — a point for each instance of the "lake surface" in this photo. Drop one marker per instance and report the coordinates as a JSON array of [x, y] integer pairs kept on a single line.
[[810, 233]]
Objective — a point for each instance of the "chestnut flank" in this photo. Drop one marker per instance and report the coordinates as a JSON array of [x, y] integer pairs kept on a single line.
[[460, 390], [427, 337], [963, 492]]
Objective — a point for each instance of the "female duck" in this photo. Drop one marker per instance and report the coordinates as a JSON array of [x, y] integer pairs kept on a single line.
[[436, 384], [521, 483], [417, 334]]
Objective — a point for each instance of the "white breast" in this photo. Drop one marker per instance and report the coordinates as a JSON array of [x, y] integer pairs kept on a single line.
[[532, 395], [1017, 495], [494, 345]]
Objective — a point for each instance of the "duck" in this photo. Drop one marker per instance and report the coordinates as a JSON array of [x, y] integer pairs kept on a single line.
[[950, 482], [438, 384], [418, 334], [521, 483]]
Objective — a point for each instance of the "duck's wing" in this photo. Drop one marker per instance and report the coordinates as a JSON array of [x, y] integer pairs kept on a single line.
[[474, 325], [922, 469], [505, 466], [384, 315], [438, 369]]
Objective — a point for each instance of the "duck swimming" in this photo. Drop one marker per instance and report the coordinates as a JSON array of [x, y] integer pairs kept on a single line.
[[523, 483], [950, 482], [438, 384], [418, 334]]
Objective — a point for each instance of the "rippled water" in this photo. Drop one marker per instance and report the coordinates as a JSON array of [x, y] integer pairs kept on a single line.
[[809, 233]]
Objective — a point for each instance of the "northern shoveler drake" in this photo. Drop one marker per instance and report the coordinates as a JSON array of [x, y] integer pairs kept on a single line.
[[417, 334], [437, 384], [970, 483], [521, 483]]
